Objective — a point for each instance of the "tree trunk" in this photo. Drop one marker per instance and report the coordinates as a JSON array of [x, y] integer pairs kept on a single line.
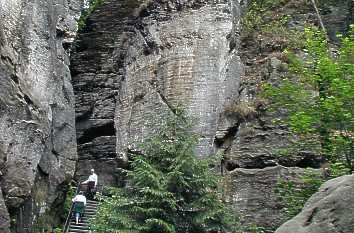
[[319, 18]]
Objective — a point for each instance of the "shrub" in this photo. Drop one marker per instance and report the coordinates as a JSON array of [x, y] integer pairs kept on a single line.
[[169, 188]]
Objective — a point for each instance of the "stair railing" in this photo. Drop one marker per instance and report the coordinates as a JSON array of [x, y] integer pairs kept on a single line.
[[67, 221]]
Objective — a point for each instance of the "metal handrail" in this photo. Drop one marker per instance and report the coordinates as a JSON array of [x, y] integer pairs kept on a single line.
[[67, 221]]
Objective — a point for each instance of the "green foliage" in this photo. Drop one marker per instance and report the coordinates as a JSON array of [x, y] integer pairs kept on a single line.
[[87, 12], [170, 189], [57, 230], [68, 200], [267, 22], [337, 169], [253, 20], [319, 101], [294, 196], [43, 223], [258, 229]]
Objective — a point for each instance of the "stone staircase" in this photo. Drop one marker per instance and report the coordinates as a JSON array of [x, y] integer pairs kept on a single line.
[[82, 227]]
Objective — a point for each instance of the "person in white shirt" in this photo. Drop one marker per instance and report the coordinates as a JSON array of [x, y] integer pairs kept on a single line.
[[79, 206], [91, 183], [92, 177]]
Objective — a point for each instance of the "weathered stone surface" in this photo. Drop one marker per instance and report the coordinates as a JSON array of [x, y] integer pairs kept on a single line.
[[96, 81], [179, 53], [37, 136], [133, 64], [330, 210], [252, 194], [4, 216], [246, 132], [338, 17]]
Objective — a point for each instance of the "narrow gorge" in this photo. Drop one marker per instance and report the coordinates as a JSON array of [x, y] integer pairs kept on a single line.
[[73, 99]]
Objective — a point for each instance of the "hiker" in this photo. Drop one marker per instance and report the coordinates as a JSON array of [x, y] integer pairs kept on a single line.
[[91, 183], [79, 206]]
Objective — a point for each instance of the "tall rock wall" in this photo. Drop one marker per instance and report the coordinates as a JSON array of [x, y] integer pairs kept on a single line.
[[131, 64], [37, 127], [136, 61], [180, 54]]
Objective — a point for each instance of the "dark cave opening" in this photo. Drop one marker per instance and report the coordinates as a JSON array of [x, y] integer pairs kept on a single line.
[[311, 162], [95, 132], [231, 165]]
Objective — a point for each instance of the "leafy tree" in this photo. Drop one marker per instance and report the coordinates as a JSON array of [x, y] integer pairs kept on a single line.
[[170, 189], [319, 101]]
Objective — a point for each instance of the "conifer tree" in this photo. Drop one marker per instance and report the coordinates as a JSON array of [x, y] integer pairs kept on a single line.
[[170, 189]]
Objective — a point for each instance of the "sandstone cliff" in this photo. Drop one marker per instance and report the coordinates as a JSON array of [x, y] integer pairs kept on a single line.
[[133, 61], [37, 127]]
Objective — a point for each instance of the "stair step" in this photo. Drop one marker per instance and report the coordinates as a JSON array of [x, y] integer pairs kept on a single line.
[[84, 220], [82, 227], [92, 202], [80, 223], [74, 231], [90, 210], [90, 214]]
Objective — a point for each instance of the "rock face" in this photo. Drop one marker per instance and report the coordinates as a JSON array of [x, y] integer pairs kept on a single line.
[[37, 128], [131, 65], [252, 193], [181, 53], [96, 81], [329, 210], [135, 62]]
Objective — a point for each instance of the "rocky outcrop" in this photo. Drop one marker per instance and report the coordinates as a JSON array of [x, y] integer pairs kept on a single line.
[[37, 132], [329, 210], [252, 193], [181, 52], [96, 80], [135, 62], [255, 141], [248, 135]]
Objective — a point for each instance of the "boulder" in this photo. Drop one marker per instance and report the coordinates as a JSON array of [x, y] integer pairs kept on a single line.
[[330, 210]]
